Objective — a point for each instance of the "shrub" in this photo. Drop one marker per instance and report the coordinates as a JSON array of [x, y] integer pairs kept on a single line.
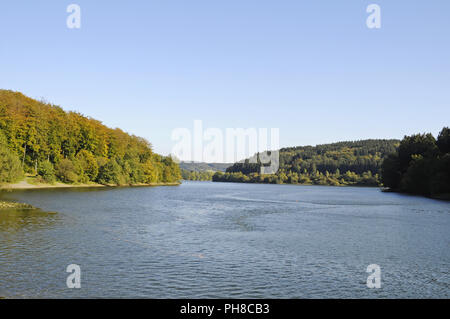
[[111, 173], [65, 171], [47, 172], [10, 166]]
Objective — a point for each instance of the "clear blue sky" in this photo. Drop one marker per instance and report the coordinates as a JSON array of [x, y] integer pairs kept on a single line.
[[311, 68]]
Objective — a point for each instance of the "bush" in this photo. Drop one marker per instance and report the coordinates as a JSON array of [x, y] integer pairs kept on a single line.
[[65, 171], [47, 172], [111, 173], [10, 166], [82, 176]]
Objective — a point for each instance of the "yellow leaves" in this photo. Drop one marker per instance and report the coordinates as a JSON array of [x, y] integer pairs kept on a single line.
[[38, 131]]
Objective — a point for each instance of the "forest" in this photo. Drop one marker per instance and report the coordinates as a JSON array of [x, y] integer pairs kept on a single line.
[[197, 175], [41, 139], [202, 166], [199, 171], [420, 165], [344, 163]]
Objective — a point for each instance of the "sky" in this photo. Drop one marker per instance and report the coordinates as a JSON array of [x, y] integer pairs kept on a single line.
[[313, 69]]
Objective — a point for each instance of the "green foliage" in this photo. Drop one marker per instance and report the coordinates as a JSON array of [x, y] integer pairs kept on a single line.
[[81, 149], [199, 171], [440, 183], [417, 177], [88, 164], [46, 172], [420, 166], [65, 171], [197, 176], [10, 166], [151, 172], [391, 174], [111, 173], [204, 167], [443, 141], [171, 170], [360, 163], [419, 144]]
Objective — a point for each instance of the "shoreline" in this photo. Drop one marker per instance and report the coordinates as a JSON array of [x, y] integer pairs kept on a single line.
[[443, 197], [297, 184], [24, 185]]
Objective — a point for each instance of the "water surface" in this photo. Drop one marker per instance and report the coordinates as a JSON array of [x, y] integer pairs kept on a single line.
[[220, 240]]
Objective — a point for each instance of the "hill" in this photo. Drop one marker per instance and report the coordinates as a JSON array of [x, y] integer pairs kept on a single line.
[[343, 163], [42, 139], [198, 171]]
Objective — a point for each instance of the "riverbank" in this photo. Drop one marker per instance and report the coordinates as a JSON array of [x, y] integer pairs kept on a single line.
[[445, 197], [441, 197], [29, 183]]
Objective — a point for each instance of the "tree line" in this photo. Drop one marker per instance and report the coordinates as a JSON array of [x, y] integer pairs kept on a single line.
[[420, 165], [40, 138], [197, 175], [200, 171], [343, 163]]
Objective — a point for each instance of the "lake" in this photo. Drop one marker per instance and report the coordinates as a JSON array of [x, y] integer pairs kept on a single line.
[[224, 240]]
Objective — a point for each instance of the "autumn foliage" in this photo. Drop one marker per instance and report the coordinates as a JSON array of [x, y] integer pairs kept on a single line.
[[67, 146]]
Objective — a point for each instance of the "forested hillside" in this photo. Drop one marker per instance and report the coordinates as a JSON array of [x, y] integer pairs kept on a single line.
[[204, 167], [421, 165], [199, 171], [196, 175], [37, 137], [344, 163]]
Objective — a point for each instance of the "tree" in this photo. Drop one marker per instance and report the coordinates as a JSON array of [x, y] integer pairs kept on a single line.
[[39, 132], [47, 172], [65, 171], [440, 184], [10, 166], [417, 178], [316, 164], [111, 173], [88, 163], [391, 172], [443, 141], [419, 144], [420, 166], [150, 171]]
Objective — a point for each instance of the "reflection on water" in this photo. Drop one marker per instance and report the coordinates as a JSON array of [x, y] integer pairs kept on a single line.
[[219, 240], [25, 220], [22, 237]]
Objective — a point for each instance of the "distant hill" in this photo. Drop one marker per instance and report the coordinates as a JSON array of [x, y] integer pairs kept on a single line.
[[196, 171], [342, 163], [204, 167]]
